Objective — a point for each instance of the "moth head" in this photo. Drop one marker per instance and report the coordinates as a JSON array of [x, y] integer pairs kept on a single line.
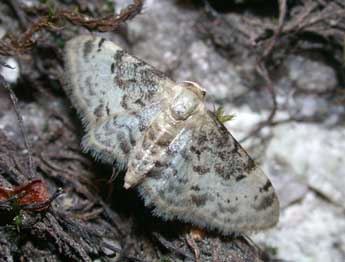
[[186, 102], [195, 88]]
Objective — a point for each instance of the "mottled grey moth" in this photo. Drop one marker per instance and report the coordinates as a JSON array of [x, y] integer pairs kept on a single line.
[[180, 157]]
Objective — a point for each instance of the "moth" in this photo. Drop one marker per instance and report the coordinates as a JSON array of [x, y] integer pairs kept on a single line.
[[182, 160]]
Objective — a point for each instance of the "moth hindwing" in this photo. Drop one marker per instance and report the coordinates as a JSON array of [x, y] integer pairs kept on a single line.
[[180, 157]]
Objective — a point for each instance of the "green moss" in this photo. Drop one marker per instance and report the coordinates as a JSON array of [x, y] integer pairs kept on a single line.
[[60, 43], [110, 5], [51, 10], [221, 116], [272, 250], [165, 259], [18, 216]]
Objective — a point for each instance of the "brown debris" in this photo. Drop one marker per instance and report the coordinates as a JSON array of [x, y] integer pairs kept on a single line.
[[50, 20]]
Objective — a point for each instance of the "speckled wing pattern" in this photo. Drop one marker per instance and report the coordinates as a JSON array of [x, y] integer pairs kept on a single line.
[[183, 161], [115, 94], [209, 180]]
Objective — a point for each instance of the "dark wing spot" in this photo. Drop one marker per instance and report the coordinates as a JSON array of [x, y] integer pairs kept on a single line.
[[240, 177], [220, 169], [164, 141], [173, 172], [201, 170], [225, 208], [250, 165], [182, 180], [118, 56], [202, 139], [87, 48], [265, 202], [125, 147], [199, 200], [119, 82], [196, 151], [123, 102], [100, 44], [107, 109], [139, 102], [88, 84], [161, 164], [112, 68], [114, 121], [98, 112], [195, 188], [131, 137], [235, 149], [266, 187], [233, 209]]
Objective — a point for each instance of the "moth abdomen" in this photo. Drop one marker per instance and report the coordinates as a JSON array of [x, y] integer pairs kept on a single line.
[[152, 148]]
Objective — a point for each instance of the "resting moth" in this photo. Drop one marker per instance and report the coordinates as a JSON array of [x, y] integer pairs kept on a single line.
[[180, 157]]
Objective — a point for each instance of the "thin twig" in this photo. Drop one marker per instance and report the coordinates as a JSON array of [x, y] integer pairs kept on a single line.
[[169, 246], [262, 70], [49, 21], [119, 250], [14, 101], [279, 29]]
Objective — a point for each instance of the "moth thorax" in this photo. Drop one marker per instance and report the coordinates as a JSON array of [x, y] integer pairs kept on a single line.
[[184, 104]]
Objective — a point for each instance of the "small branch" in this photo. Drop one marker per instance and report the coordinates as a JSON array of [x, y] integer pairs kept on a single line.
[[169, 246], [262, 70], [14, 101], [279, 29], [51, 21], [103, 24], [119, 250]]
